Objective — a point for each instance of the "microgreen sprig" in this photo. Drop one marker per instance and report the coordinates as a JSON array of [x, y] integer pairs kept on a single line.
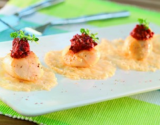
[[144, 22], [22, 35], [87, 32]]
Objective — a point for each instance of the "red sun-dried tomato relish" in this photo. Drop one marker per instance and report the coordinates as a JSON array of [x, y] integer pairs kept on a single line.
[[82, 42], [141, 33], [20, 48]]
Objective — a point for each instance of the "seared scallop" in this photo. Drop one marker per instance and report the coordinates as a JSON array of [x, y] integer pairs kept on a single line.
[[137, 49], [83, 58], [28, 68]]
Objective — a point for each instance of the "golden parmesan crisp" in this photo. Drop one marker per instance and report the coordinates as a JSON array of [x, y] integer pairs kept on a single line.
[[114, 52], [103, 69], [47, 81]]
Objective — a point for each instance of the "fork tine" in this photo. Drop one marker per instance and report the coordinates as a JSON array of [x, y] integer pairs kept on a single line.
[[31, 31], [36, 30], [42, 28]]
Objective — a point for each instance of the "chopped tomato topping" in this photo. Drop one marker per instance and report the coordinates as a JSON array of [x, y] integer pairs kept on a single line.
[[82, 42], [141, 33], [20, 48]]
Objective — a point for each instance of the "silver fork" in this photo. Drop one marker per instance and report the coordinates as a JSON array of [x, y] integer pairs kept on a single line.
[[39, 30], [14, 19], [102, 16]]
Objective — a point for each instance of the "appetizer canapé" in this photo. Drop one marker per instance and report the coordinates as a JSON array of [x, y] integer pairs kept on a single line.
[[22, 63], [139, 44], [83, 51], [81, 59], [140, 51], [23, 68]]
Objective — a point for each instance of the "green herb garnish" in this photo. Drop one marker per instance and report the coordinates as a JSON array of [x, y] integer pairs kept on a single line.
[[22, 35], [144, 22], [87, 32]]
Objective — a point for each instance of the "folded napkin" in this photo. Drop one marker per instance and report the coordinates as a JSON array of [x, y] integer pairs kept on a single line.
[[142, 109]]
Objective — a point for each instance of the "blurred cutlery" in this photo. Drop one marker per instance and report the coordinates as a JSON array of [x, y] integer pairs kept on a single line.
[[82, 19], [39, 30], [13, 20]]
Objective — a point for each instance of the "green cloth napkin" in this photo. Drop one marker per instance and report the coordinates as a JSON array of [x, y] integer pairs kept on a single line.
[[123, 111], [74, 8]]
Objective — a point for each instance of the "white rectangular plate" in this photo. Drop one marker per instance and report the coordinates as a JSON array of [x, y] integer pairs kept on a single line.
[[73, 93]]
